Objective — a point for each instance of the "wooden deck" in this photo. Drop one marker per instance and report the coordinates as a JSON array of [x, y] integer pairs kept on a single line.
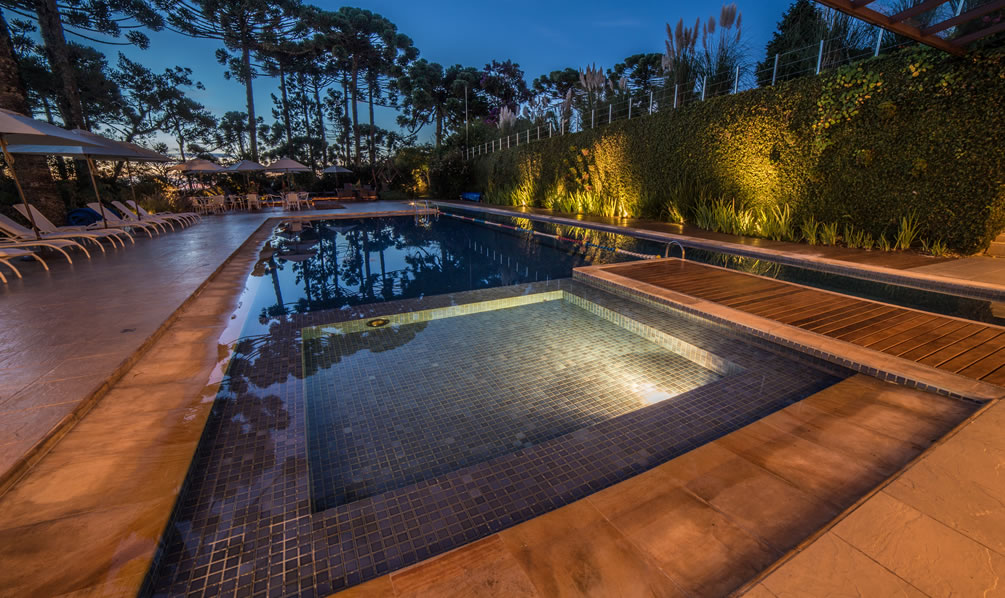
[[967, 348]]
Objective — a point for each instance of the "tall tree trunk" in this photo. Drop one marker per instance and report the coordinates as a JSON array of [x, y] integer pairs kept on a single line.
[[439, 126], [345, 118], [252, 128], [355, 100], [321, 123], [286, 106], [305, 108], [373, 145], [33, 171], [180, 138], [58, 55]]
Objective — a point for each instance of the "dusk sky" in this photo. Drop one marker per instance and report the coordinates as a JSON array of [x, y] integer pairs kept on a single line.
[[540, 36]]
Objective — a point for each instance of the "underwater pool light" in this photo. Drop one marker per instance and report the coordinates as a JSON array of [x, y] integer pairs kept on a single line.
[[378, 322]]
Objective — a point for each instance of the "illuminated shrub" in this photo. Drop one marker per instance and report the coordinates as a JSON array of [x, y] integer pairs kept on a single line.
[[916, 132]]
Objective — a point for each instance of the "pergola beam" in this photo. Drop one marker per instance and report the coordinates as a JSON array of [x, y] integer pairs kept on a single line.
[[970, 15], [916, 10], [981, 33], [877, 18]]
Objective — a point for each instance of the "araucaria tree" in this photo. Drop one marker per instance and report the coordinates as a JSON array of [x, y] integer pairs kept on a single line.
[[245, 27]]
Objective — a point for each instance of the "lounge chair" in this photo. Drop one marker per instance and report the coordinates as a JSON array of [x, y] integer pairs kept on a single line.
[[83, 232], [9, 253], [127, 214], [368, 193], [117, 222], [189, 217], [19, 237]]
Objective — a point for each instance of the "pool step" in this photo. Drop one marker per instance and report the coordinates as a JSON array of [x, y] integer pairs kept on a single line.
[[997, 248]]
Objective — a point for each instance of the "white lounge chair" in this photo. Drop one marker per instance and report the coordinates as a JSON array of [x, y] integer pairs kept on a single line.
[[117, 222], [19, 237], [9, 253], [128, 216], [186, 217], [84, 232]]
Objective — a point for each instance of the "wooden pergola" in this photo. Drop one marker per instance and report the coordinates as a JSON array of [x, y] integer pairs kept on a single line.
[[898, 23]]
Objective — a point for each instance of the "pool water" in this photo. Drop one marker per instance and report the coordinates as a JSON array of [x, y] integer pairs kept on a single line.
[[340, 264], [393, 406]]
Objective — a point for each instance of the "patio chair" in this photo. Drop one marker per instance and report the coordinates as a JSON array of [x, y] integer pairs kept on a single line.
[[117, 222], [9, 253], [188, 218], [89, 233], [368, 193], [19, 237], [128, 215], [304, 200], [291, 201], [253, 201], [218, 204]]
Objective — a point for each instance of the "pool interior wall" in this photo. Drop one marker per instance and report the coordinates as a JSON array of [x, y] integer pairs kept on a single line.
[[246, 523]]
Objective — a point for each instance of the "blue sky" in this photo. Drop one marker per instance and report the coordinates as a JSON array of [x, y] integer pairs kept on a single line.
[[541, 36]]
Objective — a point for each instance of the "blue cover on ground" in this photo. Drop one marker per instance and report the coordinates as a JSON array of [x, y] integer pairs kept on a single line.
[[82, 217], [471, 196]]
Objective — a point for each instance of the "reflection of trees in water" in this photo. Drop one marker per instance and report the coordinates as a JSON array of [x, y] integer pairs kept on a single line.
[[351, 264]]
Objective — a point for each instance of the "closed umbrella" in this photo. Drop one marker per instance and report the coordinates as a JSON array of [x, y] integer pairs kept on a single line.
[[18, 129]]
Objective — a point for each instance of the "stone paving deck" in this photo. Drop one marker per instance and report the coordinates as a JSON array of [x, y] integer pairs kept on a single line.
[[704, 523], [69, 330]]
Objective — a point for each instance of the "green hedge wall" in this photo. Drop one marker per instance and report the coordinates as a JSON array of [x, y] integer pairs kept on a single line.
[[917, 132]]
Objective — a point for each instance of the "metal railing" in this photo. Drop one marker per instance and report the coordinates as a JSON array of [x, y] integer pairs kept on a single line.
[[557, 119]]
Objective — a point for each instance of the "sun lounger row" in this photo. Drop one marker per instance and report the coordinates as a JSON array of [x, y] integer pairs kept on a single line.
[[17, 241]]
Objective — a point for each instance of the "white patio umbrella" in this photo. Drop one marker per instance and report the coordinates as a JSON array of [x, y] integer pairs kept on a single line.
[[18, 129], [90, 147]]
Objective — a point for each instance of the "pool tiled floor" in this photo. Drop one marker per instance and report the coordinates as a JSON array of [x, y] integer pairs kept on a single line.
[[393, 406]]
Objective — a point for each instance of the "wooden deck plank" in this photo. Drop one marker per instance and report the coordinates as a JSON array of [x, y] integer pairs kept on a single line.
[[900, 319], [971, 349], [943, 355], [985, 366], [920, 352], [965, 360]]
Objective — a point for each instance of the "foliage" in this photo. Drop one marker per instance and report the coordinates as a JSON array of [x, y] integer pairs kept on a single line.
[[829, 233], [930, 144], [810, 230], [936, 248], [908, 231]]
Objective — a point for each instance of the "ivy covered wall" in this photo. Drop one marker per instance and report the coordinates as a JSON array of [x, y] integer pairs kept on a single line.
[[917, 132]]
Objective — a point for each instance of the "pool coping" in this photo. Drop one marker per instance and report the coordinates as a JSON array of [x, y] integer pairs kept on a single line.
[[916, 280], [860, 359]]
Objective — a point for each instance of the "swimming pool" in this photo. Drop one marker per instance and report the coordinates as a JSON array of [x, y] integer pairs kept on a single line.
[[403, 388]]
